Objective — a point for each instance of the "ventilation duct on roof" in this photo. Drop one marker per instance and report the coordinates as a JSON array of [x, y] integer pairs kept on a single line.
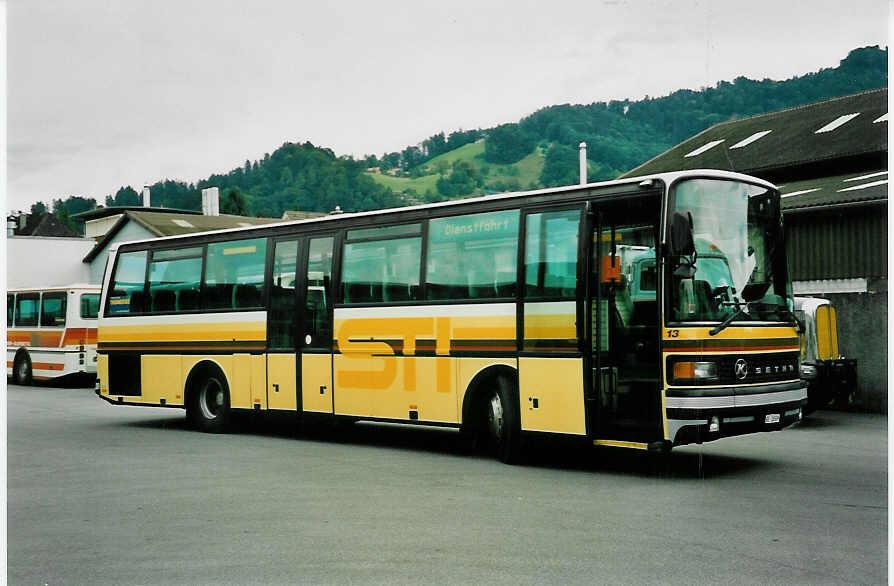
[[146, 196]]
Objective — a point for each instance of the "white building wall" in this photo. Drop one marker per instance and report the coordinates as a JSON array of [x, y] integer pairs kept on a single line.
[[100, 227], [40, 261], [131, 231]]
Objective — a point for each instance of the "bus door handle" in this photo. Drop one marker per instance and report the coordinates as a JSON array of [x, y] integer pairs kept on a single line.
[[275, 388], [322, 389]]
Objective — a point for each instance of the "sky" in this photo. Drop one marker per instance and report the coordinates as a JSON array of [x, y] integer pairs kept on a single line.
[[102, 93]]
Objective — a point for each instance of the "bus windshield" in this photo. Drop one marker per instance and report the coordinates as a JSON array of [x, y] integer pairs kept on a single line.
[[739, 255]]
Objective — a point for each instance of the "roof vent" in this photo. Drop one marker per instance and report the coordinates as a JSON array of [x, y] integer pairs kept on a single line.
[[704, 148], [840, 121], [750, 139]]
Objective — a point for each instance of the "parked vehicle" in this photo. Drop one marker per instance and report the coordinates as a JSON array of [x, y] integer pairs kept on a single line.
[[831, 378], [51, 332]]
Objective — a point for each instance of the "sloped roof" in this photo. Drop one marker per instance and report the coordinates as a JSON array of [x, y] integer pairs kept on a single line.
[[104, 212], [854, 125], [299, 215], [167, 224], [173, 224], [48, 225], [852, 188]]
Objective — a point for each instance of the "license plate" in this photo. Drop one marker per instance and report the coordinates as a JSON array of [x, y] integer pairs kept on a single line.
[[772, 418]]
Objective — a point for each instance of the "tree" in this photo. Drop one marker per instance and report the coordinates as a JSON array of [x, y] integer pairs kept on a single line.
[[235, 203], [508, 144], [560, 166]]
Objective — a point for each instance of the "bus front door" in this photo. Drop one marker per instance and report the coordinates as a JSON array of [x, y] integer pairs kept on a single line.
[[625, 398]]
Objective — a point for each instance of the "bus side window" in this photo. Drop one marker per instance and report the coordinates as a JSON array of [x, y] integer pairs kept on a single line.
[[473, 256], [10, 309], [89, 305], [234, 274], [551, 254], [52, 310], [382, 270], [126, 294], [26, 309]]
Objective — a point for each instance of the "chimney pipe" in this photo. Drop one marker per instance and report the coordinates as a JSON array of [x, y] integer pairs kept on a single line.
[[582, 148], [210, 202], [146, 196]]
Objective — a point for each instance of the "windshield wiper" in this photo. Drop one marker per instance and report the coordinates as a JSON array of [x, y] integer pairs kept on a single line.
[[725, 323]]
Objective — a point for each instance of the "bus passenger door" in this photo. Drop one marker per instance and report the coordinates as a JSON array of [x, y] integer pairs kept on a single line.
[[282, 325], [315, 342], [624, 320]]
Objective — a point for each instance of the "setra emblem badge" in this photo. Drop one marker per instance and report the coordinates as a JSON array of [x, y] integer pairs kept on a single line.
[[741, 369]]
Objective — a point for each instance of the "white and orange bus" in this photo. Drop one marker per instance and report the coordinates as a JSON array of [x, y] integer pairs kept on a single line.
[[51, 332], [501, 315]]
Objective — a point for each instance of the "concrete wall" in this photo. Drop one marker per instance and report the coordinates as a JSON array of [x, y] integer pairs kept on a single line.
[[131, 231], [40, 261], [863, 334]]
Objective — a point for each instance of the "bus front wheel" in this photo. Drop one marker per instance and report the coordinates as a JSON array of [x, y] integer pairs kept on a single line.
[[502, 422], [21, 369], [209, 405]]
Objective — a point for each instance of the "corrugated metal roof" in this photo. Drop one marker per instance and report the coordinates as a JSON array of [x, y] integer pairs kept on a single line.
[[851, 125], [840, 189]]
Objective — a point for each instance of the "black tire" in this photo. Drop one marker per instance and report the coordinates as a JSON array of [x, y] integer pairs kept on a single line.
[[209, 403], [21, 369], [501, 422]]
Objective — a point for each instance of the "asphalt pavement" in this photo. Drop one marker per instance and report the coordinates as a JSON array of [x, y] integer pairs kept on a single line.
[[102, 494]]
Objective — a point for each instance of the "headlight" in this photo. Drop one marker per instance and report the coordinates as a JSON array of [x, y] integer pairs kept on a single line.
[[695, 370], [808, 371]]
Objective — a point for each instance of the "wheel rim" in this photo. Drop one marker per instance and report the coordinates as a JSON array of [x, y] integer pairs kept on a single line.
[[22, 371], [211, 399], [495, 417]]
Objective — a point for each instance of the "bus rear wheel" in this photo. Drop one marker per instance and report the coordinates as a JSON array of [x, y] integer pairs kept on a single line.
[[21, 369], [502, 422], [209, 405]]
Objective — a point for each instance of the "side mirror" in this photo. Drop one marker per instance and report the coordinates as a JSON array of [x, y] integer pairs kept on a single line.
[[754, 291], [682, 242]]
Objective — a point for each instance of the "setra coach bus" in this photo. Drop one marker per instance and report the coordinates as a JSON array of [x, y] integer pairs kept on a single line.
[[503, 315]]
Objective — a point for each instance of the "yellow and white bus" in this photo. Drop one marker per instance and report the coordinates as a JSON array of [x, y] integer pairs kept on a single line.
[[500, 315], [51, 332]]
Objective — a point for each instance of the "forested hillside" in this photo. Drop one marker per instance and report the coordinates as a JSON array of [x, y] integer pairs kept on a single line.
[[538, 151]]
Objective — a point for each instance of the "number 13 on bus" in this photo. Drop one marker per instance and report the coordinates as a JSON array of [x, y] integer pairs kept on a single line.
[[642, 313]]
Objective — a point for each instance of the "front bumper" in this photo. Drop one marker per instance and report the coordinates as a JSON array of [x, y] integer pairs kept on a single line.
[[701, 415]]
